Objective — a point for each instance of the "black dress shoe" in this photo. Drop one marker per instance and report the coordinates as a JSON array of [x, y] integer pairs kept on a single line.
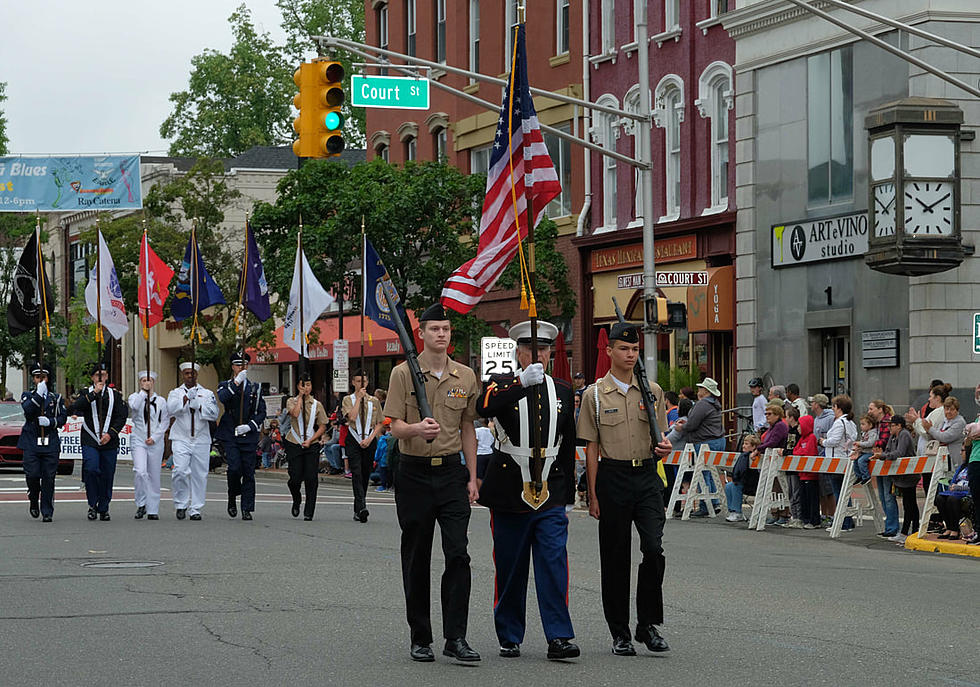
[[295, 510], [362, 515], [562, 648], [92, 513], [181, 513], [232, 507], [140, 512], [196, 516], [510, 650], [422, 653], [152, 516], [246, 515], [104, 517], [34, 510], [622, 646], [46, 518], [307, 517], [652, 638], [460, 650]]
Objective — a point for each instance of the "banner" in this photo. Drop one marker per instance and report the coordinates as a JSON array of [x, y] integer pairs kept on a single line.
[[62, 184], [818, 240]]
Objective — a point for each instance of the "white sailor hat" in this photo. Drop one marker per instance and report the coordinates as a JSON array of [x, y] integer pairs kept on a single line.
[[143, 374], [189, 365], [546, 334]]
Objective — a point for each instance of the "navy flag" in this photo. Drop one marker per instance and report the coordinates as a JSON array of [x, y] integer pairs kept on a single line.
[[189, 300], [375, 305], [252, 286]]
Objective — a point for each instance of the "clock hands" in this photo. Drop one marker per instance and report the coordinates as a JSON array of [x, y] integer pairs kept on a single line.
[[930, 207]]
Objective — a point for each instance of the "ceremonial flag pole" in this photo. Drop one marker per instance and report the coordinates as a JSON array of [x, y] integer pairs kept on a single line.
[[146, 315], [302, 325], [363, 285], [238, 312], [99, 338]]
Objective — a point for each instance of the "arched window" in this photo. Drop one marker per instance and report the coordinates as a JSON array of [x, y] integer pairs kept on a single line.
[[380, 143], [668, 115], [716, 99], [605, 131], [631, 103]]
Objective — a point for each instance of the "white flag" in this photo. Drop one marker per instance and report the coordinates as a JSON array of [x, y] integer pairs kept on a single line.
[[315, 301], [111, 299]]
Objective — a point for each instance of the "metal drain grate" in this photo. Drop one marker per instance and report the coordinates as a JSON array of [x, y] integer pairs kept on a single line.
[[122, 564]]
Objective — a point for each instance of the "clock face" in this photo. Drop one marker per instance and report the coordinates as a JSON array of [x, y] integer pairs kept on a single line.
[[928, 208], [884, 209]]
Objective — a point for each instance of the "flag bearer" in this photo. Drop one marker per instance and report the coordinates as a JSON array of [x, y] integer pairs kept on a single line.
[[44, 414], [151, 420], [238, 431], [307, 422], [193, 407], [104, 415], [524, 521], [626, 489], [364, 418]]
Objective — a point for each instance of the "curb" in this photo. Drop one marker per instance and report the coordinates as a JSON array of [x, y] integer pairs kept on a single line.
[[913, 543]]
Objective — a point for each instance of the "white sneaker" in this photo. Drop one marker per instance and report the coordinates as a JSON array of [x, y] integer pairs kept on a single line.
[[735, 517], [898, 538], [794, 524]]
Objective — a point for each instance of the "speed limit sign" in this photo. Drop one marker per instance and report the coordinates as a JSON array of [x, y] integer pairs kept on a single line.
[[497, 357]]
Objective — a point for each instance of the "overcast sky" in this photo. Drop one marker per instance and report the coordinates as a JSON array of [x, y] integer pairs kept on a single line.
[[96, 77]]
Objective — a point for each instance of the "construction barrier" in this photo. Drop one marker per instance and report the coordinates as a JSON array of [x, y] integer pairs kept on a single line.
[[704, 462]]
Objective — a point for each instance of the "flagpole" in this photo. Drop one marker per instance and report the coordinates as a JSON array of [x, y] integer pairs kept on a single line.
[[99, 338], [146, 313], [239, 312], [302, 323], [363, 286], [194, 301], [40, 284]]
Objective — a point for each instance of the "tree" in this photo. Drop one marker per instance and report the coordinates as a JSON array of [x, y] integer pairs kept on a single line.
[[3, 120], [304, 19], [233, 101], [80, 346]]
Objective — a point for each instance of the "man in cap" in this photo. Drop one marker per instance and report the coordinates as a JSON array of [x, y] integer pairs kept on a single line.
[[44, 413], [626, 489], [526, 519], [307, 420], [104, 415], [151, 420], [758, 405], [364, 418], [432, 485], [238, 431], [193, 407], [579, 381]]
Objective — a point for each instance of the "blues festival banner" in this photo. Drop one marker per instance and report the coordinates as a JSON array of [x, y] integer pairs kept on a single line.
[[65, 184]]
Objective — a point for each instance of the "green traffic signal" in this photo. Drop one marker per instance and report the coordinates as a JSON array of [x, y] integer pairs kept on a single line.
[[333, 121]]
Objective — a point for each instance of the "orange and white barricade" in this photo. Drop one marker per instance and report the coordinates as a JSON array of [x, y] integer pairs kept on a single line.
[[763, 494], [684, 460], [775, 466], [712, 462]]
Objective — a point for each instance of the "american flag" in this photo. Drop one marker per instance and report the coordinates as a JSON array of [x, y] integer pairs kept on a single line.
[[534, 176]]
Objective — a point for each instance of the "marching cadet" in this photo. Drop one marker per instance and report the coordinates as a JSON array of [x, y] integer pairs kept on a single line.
[[193, 407], [307, 423], [104, 415], [525, 521], [151, 420], [362, 411], [625, 488], [238, 431], [432, 485], [44, 413]]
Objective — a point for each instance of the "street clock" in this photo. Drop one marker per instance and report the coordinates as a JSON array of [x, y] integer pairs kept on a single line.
[[914, 187]]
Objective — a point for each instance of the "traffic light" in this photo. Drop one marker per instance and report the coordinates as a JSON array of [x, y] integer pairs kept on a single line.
[[320, 124], [666, 315]]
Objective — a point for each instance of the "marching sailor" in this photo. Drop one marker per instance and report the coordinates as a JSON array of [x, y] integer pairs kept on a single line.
[[526, 519], [238, 431], [104, 415], [151, 420], [44, 413], [193, 407]]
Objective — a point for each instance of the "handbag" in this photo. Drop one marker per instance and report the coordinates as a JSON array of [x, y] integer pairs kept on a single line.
[[932, 447]]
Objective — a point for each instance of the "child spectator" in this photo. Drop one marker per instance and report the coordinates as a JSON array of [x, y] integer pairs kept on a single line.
[[265, 449], [809, 481], [861, 453], [793, 420], [381, 457], [744, 480]]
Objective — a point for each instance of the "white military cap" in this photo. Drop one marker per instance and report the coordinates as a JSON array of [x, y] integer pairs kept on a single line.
[[188, 366], [546, 335], [143, 374]]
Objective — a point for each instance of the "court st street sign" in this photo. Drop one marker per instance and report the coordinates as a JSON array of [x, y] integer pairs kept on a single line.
[[399, 92]]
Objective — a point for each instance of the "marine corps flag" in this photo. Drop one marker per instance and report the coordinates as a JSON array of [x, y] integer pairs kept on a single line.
[[155, 276], [25, 311]]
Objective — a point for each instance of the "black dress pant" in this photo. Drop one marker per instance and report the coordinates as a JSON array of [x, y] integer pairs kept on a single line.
[[303, 468], [240, 457], [427, 495], [360, 460], [40, 468], [910, 510], [630, 495]]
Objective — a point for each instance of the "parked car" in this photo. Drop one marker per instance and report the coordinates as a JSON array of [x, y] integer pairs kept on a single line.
[[11, 421]]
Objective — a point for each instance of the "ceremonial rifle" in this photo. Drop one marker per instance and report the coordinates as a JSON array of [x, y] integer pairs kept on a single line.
[[411, 357], [640, 372]]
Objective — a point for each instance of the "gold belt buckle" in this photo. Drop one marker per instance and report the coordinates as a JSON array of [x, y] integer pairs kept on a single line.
[[436, 462], [638, 462]]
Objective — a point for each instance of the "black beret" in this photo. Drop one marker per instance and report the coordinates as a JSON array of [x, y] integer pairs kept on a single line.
[[434, 312], [240, 358], [622, 331]]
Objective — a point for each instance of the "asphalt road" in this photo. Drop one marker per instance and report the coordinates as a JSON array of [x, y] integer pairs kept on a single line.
[[282, 601]]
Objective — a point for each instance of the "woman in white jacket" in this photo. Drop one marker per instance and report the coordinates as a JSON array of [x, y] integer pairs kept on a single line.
[[837, 443], [935, 416]]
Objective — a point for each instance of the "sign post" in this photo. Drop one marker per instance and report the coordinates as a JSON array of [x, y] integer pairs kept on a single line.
[[341, 373]]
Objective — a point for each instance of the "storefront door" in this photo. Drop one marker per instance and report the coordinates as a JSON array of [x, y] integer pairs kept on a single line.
[[836, 362]]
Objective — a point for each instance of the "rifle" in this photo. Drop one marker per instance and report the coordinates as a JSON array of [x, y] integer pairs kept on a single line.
[[411, 357], [640, 372]]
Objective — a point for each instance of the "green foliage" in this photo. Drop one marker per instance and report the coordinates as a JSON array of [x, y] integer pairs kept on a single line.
[[676, 378], [233, 101], [80, 348], [553, 294], [3, 120]]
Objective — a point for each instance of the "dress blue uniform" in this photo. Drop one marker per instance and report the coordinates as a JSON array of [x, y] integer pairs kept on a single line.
[[519, 525], [238, 432], [40, 443]]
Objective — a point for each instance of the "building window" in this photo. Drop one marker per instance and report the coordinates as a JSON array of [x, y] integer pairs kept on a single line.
[[562, 27], [78, 252], [672, 14], [668, 115], [510, 21], [719, 7], [714, 104], [607, 22], [631, 103], [830, 126], [560, 150], [439, 143], [606, 132], [480, 160], [474, 37], [381, 153], [440, 13], [383, 32], [410, 27], [410, 149]]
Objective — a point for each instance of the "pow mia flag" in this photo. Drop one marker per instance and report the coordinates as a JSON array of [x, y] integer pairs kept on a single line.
[[25, 311]]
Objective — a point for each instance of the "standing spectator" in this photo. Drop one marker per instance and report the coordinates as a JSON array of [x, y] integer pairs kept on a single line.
[[933, 412], [948, 430], [381, 457], [579, 382], [881, 413], [484, 447], [671, 399], [777, 394], [793, 396], [823, 419], [973, 477], [744, 480], [810, 494], [704, 426], [758, 404], [774, 437], [899, 445], [837, 444], [265, 448], [795, 495]]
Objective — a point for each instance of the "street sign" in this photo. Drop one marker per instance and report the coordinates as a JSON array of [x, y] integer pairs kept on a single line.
[[497, 357], [399, 92], [635, 280], [341, 376], [976, 333]]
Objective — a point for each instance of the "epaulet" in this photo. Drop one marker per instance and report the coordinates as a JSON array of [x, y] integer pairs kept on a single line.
[[562, 383]]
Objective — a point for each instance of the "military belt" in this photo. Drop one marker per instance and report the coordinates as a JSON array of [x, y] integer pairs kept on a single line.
[[632, 463], [432, 461]]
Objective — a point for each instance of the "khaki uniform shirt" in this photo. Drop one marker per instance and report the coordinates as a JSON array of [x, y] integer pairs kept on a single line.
[[623, 431], [297, 422], [376, 415], [452, 398]]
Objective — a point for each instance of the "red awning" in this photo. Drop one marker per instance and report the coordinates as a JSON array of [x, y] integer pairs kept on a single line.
[[379, 342]]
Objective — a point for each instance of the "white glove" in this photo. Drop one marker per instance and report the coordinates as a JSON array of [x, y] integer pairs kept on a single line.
[[43, 420], [192, 393], [534, 374], [241, 430], [240, 377], [194, 404], [42, 388]]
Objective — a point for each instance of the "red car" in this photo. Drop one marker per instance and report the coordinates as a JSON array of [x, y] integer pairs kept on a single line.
[[11, 420]]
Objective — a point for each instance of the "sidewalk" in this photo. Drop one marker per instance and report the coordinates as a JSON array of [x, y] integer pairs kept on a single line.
[[930, 543]]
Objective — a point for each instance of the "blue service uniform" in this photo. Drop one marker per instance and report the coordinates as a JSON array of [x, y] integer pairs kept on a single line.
[[240, 452], [517, 528], [41, 445], [105, 412]]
